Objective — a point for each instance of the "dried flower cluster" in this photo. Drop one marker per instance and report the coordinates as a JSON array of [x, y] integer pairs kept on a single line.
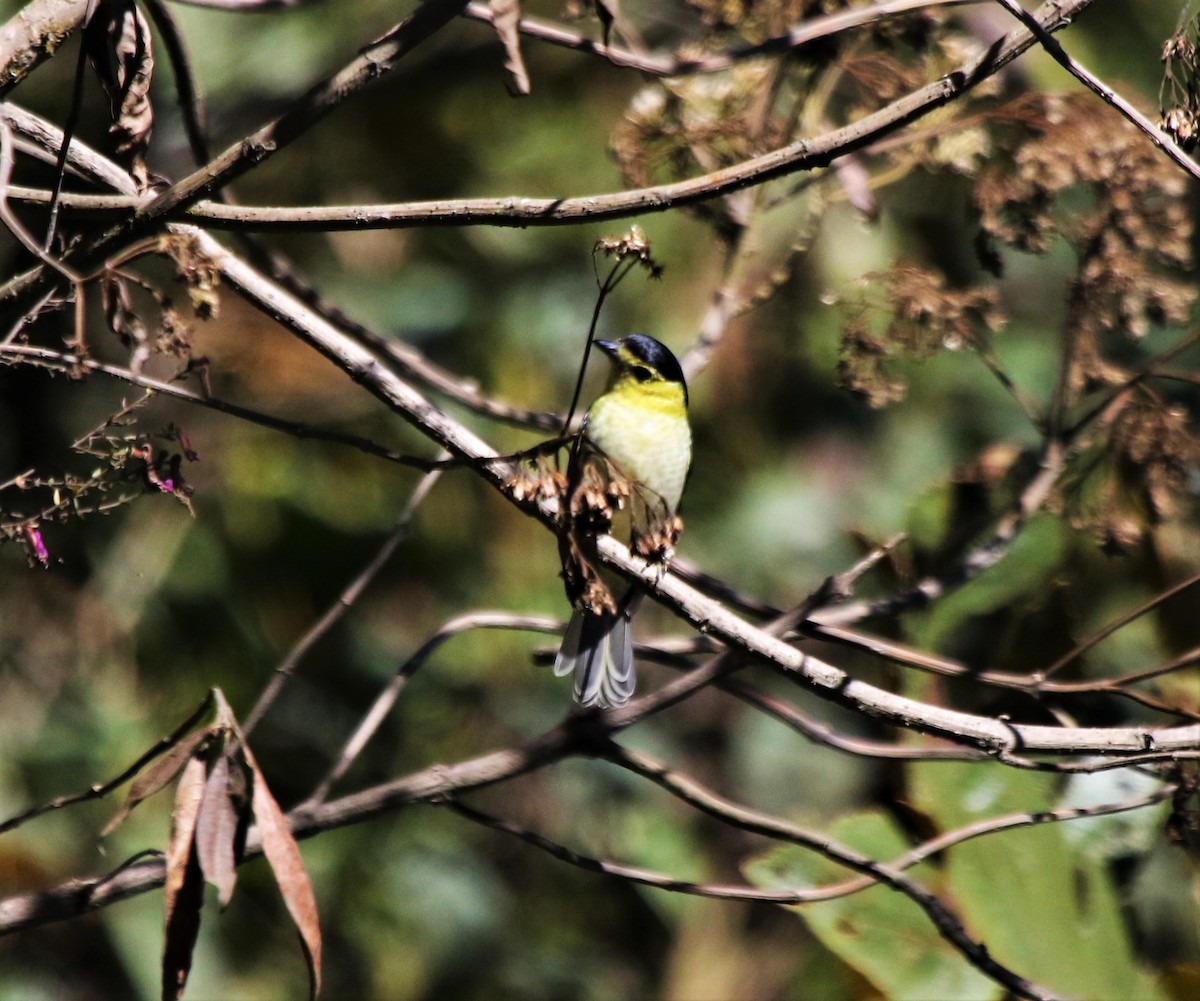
[[1179, 96], [922, 315]]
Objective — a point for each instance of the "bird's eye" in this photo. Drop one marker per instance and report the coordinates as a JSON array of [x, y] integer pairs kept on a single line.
[[641, 373]]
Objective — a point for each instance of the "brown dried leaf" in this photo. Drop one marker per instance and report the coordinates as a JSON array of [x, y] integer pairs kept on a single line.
[[117, 41], [157, 776], [862, 365], [197, 270], [506, 16], [283, 855], [217, 827], [183, 889]]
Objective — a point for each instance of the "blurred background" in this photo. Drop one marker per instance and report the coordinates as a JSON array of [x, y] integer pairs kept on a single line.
[[143, 610]]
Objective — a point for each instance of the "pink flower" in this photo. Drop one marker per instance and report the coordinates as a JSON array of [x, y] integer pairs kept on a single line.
[[34, 535]]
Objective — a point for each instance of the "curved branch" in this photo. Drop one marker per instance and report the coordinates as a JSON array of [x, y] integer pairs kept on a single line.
[[33, 34], [810, 31], [805, 154], [948, 926], [993, 735]]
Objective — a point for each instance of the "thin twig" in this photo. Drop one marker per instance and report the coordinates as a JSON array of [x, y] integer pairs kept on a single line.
[[191, 105], [1122, 620], [386, 699], [60, 168], [104, 788], [65, 361], [981, 558], [947, 925], [812, 30], [342, 604], [807, 895], [1093, 83]]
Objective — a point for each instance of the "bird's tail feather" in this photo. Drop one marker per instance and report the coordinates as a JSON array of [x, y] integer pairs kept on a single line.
[[598, 651]]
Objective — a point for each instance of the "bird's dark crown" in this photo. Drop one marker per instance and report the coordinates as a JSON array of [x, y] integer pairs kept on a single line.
[[657, 355]]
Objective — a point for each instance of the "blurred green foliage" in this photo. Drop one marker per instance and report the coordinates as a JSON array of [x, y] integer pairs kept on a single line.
[[143, 610]]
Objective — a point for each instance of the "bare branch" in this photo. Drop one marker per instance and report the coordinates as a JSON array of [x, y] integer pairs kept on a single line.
[[797, 897], [33, 34], [1123, 620], [805, 154], [66, 362], [810, 31], [48, 138]]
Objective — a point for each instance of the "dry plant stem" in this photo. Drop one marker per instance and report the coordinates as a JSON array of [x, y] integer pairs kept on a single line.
[[980, 828], [824, 733], [43, 135], [191, 106], [110, 421], [619, 270], [1035, 494], [1144, 371], [69, 126], [810, 31], [66, 362], [948, 926], [386, 700], [806, 154], [1033, 684], [12, 223], [344, 602], [1183, 660], [1109, 96]]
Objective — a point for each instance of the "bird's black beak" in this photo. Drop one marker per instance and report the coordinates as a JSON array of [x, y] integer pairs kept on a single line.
[[610, 348]]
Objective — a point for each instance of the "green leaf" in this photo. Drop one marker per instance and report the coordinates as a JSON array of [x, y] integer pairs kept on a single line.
[[1035, 555], [1042, 904], [880, 933]]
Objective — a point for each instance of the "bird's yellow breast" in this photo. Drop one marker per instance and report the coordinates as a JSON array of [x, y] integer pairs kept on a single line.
[[643, 428]]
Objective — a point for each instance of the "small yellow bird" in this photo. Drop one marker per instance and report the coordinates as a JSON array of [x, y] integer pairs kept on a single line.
[[638, 433]]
